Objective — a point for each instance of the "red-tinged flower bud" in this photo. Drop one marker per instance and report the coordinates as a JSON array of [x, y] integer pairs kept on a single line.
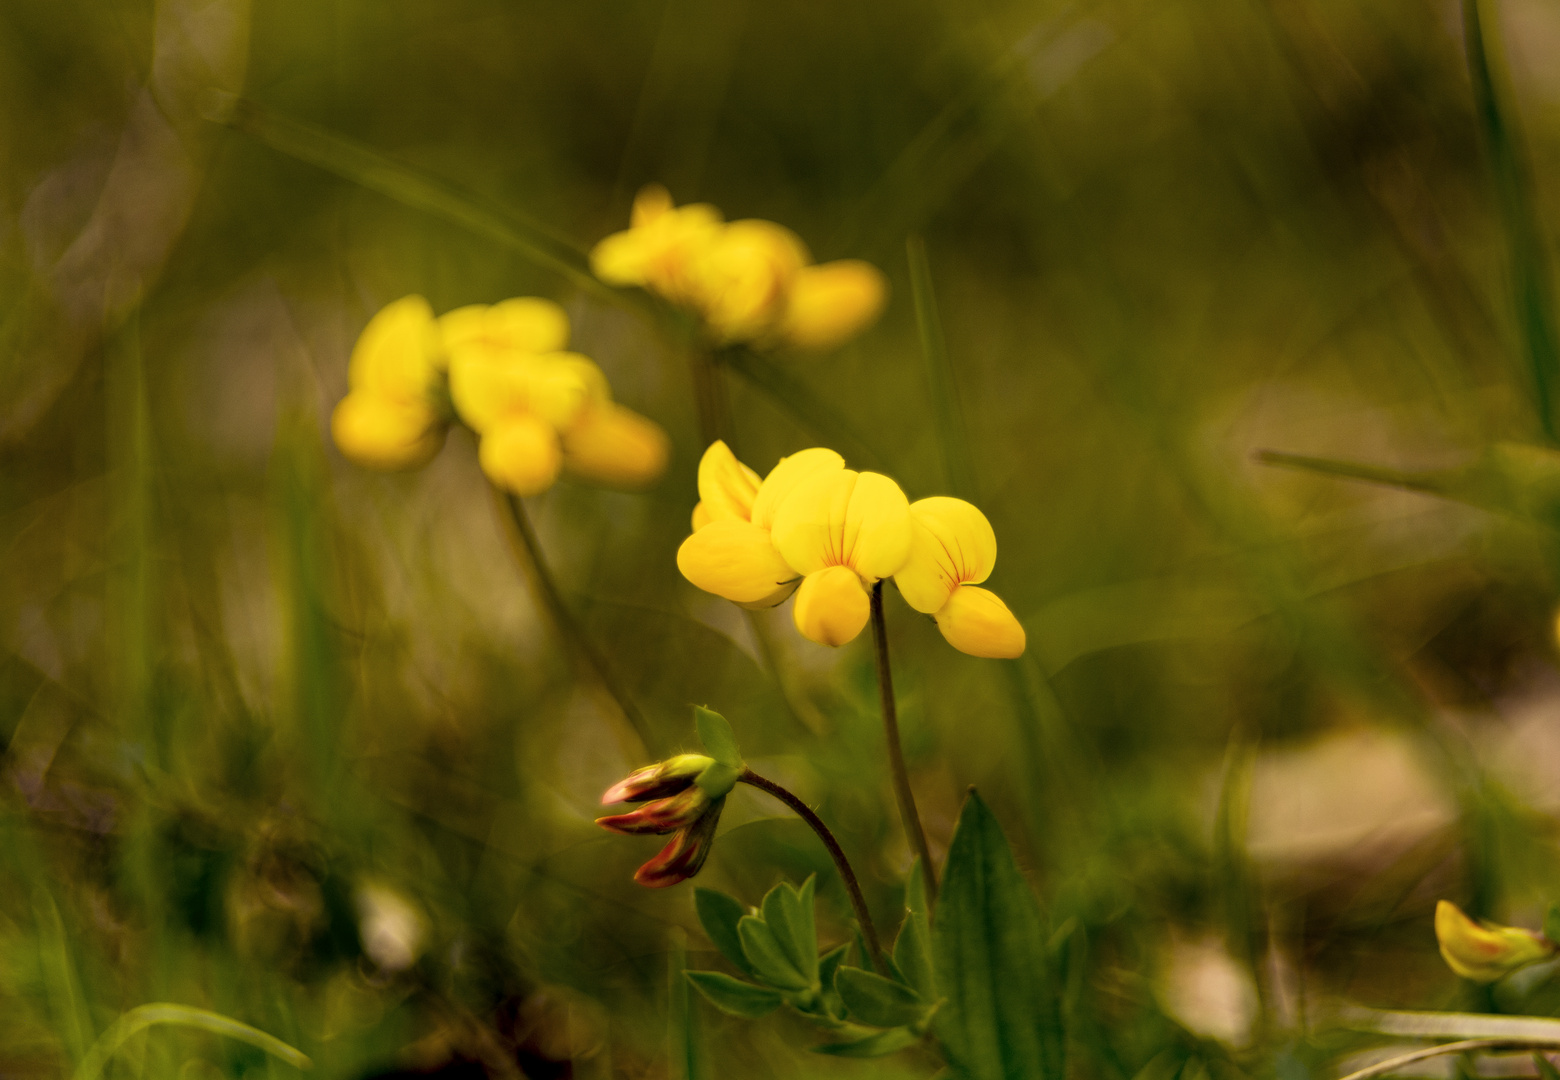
[[684, 855], [663, 815], [658, 781]]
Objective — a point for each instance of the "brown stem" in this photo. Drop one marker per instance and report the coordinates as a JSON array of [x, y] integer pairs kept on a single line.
[[858, 902], [908, 815], [529, 553]]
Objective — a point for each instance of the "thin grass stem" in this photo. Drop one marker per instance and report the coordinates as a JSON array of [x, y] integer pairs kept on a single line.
[[1382, 1068], [528, 552]]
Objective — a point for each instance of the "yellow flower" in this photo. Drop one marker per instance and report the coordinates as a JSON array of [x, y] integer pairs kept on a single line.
[[389, 419], [749, 280], [813, 521], [660, 248], [954, 549], [830, 534], [1482, 951], [537, 409]]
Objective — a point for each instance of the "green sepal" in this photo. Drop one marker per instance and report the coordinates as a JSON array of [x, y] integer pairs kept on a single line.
[[878, 1002], [769, 961], [733, 996], [788, 912], [719, 914], [720, 742], [717, 780], [1552, 923], [876, 1045]]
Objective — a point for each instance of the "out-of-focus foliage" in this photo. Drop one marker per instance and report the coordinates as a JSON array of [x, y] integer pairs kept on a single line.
[[297, 744]]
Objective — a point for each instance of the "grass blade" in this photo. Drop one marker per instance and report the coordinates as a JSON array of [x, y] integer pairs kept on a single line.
[[142, 1017]]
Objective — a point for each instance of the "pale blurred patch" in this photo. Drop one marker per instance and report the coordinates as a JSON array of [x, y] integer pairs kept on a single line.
[[1203, 988]]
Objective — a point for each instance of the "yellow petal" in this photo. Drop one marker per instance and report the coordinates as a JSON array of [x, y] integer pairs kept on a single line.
[[845, 518], [521, 455], [952, 544], [743, 278], [831, 606], [876, 534], [701, 517], [524, 324], [1482, 951], [661, 250], [726, 486], [784, 477], [622, 258], [830, 303], [976, 621], [385, 433], [616, 446], [652, 202], [486, 388], [396, 355], [735, 559]]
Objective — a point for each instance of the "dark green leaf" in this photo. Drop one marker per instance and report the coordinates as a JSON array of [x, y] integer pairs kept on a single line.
[[720, 742], [735, 996], [1001, 1020], [719, 914], [876, 1001], [769, 961], [884, 1042], [828, 964], [789, 915], [1552, 923], [913, 947]]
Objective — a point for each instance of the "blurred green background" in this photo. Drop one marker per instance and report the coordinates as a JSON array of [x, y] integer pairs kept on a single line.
[[1266, 717]]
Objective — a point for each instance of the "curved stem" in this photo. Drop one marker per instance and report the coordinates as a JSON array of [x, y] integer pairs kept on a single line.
[[1394, 1064], [858, 902], [529, 553], [908, 814]]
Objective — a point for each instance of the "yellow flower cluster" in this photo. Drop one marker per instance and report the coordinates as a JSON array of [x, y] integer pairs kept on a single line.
[[748, 281], [502, 369], [830, 534]]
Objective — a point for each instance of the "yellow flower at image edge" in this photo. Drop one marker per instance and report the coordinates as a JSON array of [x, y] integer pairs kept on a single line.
[[1482, 951], [749, 280], [829, 534]]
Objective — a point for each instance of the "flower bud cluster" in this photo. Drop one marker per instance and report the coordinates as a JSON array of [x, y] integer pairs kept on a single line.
[[748, 281], [830, 534], [674, 800], [501, 369]]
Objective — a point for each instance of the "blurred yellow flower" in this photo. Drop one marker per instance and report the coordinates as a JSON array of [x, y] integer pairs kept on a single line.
[[389, 418], [535, 408], [749, 281], [830, 534], [954, 549], [1482, 951]]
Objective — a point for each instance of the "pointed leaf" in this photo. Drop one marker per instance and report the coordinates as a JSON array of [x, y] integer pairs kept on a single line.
[[913, 956], [1001, 1020], [720, 742], [769, 961], [719, 914], [876, 1001], [828, 964], [884, 1042], [789, 916], [734, 996]]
